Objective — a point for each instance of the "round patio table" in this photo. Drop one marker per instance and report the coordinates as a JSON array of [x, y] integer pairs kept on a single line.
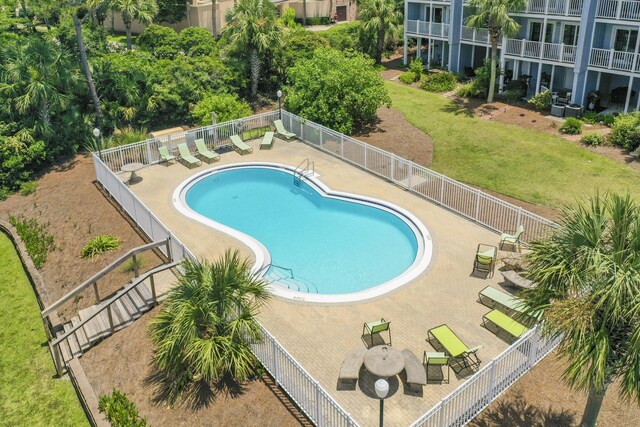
[[384, 361], [132, 167]]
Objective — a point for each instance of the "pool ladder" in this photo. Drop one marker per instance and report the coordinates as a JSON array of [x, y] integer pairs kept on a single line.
[[306, 167], [297, 284]]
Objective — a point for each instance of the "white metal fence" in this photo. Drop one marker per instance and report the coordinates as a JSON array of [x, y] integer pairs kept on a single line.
[[468, 399]]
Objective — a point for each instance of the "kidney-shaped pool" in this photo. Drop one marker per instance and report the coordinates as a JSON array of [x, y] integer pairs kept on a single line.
[[314, 244]]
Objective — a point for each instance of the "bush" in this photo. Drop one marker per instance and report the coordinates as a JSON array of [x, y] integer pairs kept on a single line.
[[439, 82], [226, 106], [541, 101], [343, 36], [593, 138], [606, 119], [324, 20], [408, 77], [590, 117], [196, 41], [571, 126], [100, 244], [162, 42], [512, 95], [417, 68], [35, 236], [288, 18], [28, 187], [120, 411], [469, 90], [625, 131], [127, 135]]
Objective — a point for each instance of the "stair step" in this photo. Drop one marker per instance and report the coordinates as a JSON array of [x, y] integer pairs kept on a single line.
[[130, 307], [122, 314], [71, 339], [82, 336]]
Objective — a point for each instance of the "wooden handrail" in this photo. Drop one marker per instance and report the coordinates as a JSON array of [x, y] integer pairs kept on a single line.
[[100, 274], [106, 304]]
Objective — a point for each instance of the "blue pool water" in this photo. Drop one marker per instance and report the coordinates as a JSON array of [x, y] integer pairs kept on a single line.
[[336, 245]]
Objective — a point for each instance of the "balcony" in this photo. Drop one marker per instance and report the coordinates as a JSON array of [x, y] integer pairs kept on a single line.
[[614, 60], [554, 7], [427, 29], [626, 10], [538, 50], [476, 35]]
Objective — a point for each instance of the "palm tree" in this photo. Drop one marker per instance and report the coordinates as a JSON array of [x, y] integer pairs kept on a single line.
[[381, 21], [140, 10], [208, 322], [493, 15], [253, 28], [588, 276], [304, 13]]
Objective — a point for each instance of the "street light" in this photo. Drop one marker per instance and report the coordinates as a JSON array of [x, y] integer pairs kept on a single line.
[[382, 390], [96, 133], [279, 93]]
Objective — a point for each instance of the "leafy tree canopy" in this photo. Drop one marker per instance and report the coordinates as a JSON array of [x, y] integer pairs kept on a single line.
[[226, 106], [171, 11]]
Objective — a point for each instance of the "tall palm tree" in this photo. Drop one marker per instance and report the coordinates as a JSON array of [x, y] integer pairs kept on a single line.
[[140, 10], [253, 28], [493, 15], [382, 21], [588, 276], [208, 321]]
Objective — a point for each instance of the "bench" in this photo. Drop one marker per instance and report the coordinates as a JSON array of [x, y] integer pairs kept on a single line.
[[513, 279], [414, 369], [350, 369]]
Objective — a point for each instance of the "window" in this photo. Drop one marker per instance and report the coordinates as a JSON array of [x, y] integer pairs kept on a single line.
[[535, 32], [437, 14], [570, 35], [625, 40]]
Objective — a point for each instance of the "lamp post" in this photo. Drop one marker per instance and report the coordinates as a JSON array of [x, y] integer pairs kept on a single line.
[[96, 133], [382, 390], [279, 93]]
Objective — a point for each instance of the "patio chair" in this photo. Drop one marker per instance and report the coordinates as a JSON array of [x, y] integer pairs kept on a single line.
[[454, 346], [267, 141], [280, 130], [485, 259], [509, 304], [350, 369], [512, 239], [186, 157], [416, 375], [204, 153], [165, 157], [240, 146], [435, 358], [375, 328], [505, 323]]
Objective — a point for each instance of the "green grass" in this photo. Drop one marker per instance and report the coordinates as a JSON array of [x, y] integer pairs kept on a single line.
[[29, 395], [523, 163], [121, 38]]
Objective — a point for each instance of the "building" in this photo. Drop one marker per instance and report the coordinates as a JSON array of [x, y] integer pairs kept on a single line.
[[581, 46]]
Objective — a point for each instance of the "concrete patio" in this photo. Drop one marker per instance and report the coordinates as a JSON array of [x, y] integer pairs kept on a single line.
[[319, 337]]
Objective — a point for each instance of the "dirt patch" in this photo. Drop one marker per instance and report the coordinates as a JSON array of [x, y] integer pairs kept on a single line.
[[540, 398], [125, 361]]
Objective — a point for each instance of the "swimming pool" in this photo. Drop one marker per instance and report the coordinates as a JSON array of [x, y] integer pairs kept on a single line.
[[312, 243]]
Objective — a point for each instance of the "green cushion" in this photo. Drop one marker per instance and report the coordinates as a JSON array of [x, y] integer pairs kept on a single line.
[[450, 341], [506, 323], [436, 358], [377, 326]]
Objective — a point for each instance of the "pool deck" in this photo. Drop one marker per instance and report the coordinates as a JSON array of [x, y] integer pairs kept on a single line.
[[320, 336]]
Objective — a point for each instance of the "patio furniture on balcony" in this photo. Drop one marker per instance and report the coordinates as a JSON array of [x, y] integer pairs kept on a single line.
[[465, 356], [376, 327], [485, 259]]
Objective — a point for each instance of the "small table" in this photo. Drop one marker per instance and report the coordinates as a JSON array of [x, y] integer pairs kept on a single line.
[[384, 361], [132, 167]]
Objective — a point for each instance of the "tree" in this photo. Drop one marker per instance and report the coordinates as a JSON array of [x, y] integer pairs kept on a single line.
[[140, 10], [304, 13], [171, 11], [493, 15], [253, 28], [208, 322], [338, 89], [381, 21], [226, 106], [588, 289]]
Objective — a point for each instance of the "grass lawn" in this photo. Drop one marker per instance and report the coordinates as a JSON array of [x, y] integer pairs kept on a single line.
[[523, 163], [29, 395]]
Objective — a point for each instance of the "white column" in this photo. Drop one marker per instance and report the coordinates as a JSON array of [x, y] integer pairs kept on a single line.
[[502, 65], [553, 73], [626, 102], [406, 14], [428, 54], [538, 78], [419, 48], [473, 55]]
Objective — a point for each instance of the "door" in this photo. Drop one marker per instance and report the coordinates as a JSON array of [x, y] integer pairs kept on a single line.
[[625, 40], [341, 12]]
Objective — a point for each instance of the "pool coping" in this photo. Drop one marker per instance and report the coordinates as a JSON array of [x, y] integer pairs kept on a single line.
[[263, 258]]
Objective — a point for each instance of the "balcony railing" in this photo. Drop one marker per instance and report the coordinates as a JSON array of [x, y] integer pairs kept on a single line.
[[628, 10], [539, 50], [554, 7], [614, 60], [425, 28], [476, 35]]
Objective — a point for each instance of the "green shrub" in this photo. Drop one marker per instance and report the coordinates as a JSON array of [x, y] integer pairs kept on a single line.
[[408, 77], [417, 68], [162, 42], [625, 131], [124, 136], [288, 18], [127, 266], [571, 126], [100, 244], [606, 119], [28, 187], [512, 95], [324, 20], [590, 117], [439, 82], [541, 101], [469, 90], [343, 36], [255, 133], [226, 106], [593, 138], [35, 236], [120, 411]]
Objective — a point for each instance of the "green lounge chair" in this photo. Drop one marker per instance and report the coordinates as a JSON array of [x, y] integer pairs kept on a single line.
[[204, 153], [376, 327], [186, 156], [454, 346], [267, 141], [505, 323], [164, 155], [512, 239], [485, 259], [494, 298], [280, 130], [240, 146]]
